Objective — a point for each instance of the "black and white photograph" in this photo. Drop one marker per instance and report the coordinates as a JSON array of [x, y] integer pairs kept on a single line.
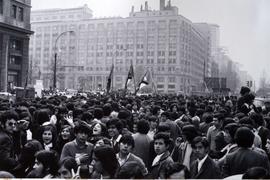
[[135, 89]]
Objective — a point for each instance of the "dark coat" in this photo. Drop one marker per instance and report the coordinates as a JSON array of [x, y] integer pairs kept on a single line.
[[209, 170], [243, 159], [159, 169]]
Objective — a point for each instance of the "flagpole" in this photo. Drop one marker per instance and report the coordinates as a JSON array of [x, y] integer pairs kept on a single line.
[[134, 78]]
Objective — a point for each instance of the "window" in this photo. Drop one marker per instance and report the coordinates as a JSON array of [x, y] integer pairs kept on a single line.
[[14, 11], [20, 14], [1, 6]]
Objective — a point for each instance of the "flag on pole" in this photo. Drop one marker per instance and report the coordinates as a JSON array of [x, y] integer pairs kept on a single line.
[[109, 81], [144, 81], [130, 76]]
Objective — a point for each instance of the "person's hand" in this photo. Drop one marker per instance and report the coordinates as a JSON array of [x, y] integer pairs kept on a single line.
[[178, 141], [82, 158], [75, 175], [69, 119]]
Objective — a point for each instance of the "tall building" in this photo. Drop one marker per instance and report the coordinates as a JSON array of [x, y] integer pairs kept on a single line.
[[161, 41], [14, 42]]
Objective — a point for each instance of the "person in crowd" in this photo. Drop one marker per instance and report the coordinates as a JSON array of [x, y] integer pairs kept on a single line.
[[183, 150], [66, 135], [163, 158], [48, 137], [98, 130], [125, 154], [7, 129], [243, 158], [105, 164], [101, 141], [27, 158], [79, 148], [214, 130], [130, 170], [204, 167], [177, 171], [115, 127], [46, 165], [174, 128], [142, 141], [68, 168], [153, 122]]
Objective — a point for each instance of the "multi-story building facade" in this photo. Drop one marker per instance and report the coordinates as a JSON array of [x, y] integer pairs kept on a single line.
[[164, 42], [14, 42]]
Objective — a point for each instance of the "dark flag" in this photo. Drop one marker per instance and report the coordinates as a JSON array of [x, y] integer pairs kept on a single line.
[[144, 81], [109, 82], [130, 76]]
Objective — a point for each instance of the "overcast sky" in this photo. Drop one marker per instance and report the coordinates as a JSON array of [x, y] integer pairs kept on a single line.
[[244, 24]]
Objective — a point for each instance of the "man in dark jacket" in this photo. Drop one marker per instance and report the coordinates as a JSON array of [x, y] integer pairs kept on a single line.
[[204, 167], [244, 158], [163, 158]]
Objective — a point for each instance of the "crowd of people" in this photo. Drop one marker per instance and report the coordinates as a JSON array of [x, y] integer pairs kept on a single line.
[[146, 137]]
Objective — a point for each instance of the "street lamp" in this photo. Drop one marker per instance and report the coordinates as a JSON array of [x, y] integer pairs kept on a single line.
[[55, 57]]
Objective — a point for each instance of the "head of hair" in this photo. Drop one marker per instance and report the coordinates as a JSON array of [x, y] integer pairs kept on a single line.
[[190, 132], [207, 118], [27, 156], [244, 90], [7, 115], [200, 139], [117, 123], [107, 157], [130, 170], [244, 137], [176, 167], [98, 113], [164, 136], [69, 163], [49, 160], [143, 126], [256, 173], [81, 127], [127, 139], [42, 116], [107, 109], [231, 128]]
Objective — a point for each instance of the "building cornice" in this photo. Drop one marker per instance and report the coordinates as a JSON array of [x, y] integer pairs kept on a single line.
[[17, 29]]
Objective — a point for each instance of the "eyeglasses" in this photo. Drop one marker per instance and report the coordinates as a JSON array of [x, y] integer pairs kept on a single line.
[[12, 124]]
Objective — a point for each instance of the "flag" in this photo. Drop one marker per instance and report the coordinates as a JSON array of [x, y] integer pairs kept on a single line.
[[109, 81], [130, 76], [144, 81]]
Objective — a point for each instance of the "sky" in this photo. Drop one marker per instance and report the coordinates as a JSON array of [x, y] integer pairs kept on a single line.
[[244, 24]]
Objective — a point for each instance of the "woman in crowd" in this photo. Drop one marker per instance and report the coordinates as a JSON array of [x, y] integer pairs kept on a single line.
[[104, 162], [45, 165], [48, 137], [27, 158], [98, 130], [66, 135], [68, 168]]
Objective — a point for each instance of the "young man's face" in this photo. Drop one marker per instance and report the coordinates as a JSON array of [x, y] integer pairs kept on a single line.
[[81, 137], [125, 148], [160, 146], [200, 150], [113, 131], [11, 126]]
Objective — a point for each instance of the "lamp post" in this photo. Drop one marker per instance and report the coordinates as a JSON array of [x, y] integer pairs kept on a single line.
[[55, 57]]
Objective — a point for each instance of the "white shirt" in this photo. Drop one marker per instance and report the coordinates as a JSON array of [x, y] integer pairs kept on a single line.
[[200, 163], [120, 160], [157, 158], [48, 146], [188, 152]]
